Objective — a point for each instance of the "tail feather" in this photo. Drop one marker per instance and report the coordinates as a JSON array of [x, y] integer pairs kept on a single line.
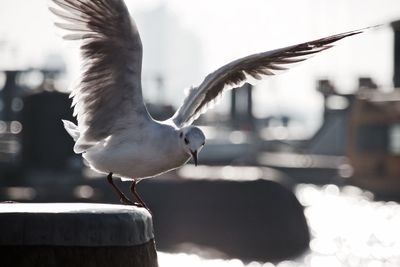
[[81, 145], [72, 129]]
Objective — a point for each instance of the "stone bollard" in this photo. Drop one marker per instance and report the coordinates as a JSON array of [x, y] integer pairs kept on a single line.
[[76, 234]]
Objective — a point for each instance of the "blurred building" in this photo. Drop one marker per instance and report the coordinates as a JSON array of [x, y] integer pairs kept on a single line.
[[374, 133], [374, 141], [31, 133]]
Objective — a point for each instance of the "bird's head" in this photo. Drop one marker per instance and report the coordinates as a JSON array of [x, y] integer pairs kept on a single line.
[[192, 140]]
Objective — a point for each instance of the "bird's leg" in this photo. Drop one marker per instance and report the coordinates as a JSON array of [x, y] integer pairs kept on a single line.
[[136, 195], [122, 198]]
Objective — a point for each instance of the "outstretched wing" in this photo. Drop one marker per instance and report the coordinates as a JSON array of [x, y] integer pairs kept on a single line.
[[108, 95], [248, 69]]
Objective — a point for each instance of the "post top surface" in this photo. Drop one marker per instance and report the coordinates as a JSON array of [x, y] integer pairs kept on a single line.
[[69, 208]]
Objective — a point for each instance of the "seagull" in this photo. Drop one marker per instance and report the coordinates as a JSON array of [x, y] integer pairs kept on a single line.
[[115, 133]]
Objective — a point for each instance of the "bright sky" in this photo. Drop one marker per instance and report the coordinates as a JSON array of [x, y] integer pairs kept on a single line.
[[227, 29]]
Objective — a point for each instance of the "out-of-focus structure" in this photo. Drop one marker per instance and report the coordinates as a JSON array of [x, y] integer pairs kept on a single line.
[[374, 133], [374, 141]]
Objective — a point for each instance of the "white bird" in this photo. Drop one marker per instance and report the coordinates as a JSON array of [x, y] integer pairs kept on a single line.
[[115, 133]]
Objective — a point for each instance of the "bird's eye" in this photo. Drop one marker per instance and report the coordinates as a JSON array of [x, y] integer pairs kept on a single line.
[[186, 141], [203, 144]]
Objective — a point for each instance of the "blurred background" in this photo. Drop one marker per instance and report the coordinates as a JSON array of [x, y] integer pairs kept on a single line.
[[301, 170]]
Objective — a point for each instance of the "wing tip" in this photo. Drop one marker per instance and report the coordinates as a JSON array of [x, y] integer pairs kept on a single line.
[[358, 31]]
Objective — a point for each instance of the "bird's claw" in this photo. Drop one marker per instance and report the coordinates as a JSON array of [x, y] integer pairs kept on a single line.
[[139, 205], [126, 201]]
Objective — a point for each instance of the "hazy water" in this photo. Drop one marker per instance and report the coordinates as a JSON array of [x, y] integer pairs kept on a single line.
[[348, 229]]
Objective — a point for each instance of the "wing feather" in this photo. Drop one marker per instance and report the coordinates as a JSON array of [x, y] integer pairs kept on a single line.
[[108, 94], [248, 69]]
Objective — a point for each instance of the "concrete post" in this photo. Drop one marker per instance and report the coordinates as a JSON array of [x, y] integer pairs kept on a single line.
[[75, 234]]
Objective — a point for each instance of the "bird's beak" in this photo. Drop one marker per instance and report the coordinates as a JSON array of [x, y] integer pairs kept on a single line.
[[194, 156]]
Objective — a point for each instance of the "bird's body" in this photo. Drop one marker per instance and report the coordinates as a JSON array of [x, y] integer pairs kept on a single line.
[[152, 149], [115, 133]]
